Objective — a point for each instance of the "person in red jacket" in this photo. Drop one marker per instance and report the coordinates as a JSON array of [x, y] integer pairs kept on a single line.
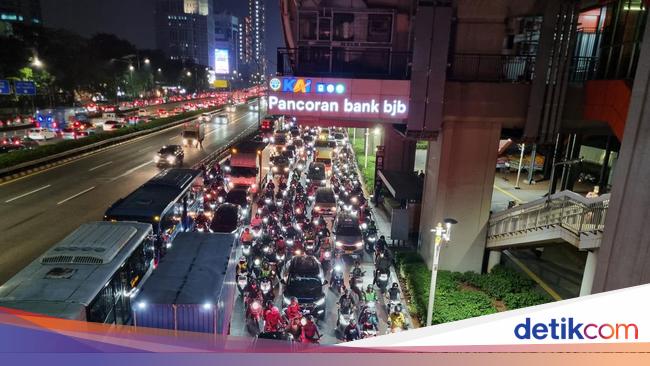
[[272, 318], [310, 332], [293, 310]]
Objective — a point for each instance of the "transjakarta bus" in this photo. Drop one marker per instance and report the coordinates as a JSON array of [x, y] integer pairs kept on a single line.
[[90, 275], [168, 202]]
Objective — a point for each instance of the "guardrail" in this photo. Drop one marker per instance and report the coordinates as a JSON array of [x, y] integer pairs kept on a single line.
[[569, 210], [491, 68], [29, 166]]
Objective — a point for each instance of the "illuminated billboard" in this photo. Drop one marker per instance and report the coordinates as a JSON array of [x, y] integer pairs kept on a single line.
[[386, 100], [221, 61]]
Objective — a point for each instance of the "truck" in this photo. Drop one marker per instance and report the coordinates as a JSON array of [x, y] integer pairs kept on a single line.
[[193, 288], [193, 133], [249, 165], [56, 119]]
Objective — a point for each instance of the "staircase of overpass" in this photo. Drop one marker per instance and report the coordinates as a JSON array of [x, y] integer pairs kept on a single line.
[[565, 217]]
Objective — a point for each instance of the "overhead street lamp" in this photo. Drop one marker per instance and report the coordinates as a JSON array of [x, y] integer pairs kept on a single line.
[[131, 68], [36, 62], [147, 61], [442, 234]]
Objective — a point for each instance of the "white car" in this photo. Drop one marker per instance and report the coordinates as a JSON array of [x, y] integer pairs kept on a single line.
[[231, 108], [142, 113], [221, 118], [40, 134], [112, 125], [206, 117]]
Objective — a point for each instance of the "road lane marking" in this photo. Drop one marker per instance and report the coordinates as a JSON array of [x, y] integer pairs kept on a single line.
[[226, 125], [100, 165], [508, 194], [171, 138], [76, 195], [145, 148], [534, 277], [28, 193], [132, 170]]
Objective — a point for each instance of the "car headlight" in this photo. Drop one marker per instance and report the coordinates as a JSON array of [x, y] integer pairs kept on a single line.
[[358, 244], [156, 158], [338, 244], [286, 169], [171, 159], [275, 169], [320, 302], [257, 261], [185, 141]]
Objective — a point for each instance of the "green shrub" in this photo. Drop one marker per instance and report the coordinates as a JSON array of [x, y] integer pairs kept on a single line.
[[498, 283], [23, 156], [524, 299]]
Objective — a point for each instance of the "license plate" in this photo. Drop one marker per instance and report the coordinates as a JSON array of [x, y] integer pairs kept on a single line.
[[383, 277]]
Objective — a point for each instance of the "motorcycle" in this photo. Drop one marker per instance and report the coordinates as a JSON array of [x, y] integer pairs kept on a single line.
[[254, 314], [382, 279], [343, 320], [326, 260], [242, 282], [369, 239], [266, 285], [246, 247], [337, 281]]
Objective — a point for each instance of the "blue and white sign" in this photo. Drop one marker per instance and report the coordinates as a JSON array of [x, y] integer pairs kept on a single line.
[[5, 87], [25, 88]]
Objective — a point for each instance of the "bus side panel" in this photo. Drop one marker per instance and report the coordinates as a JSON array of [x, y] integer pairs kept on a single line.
[[195, 318], [154, 316], [228, 293]]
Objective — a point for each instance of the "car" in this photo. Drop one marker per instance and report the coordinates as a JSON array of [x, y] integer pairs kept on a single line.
[[325, 201], [9, 148], [169, 155], [162, 113], [178, 110], [40, 133], [253, 107], [25, 141], [230, 108], [303, 279], [69, 134], [206, 117], [298, 143], [226, 219], [279, 139], [348, 238], [222, 118], [281, 165], [239, 196], [294, 131], [142, 112], [339, 138], [112, 125], [316, 173]]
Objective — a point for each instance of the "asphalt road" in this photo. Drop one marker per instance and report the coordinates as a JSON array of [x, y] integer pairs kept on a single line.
[[39, 210]]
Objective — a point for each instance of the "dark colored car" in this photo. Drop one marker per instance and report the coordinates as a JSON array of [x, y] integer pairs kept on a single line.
[[325, 201], [226, 219], [347, 234], [280, 139], [170, 155], [316, 173], [294, 131], [302, 278], [8, 148], [281, 165], [239, 196]]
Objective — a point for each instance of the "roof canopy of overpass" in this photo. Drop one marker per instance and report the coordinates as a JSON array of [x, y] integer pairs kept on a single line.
[[402, 185]]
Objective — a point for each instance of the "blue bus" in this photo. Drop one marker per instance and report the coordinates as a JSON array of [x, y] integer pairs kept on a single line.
[[169, 202]]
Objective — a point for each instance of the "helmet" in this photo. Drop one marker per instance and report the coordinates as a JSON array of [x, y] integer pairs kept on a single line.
[[397, 308], [265, 265], [247, 230], [382, 237], [294, 300], [353, 321], [269, 304], [310, 318], [344, 291], [369, 288], [395, 285], [242, 259], [280, 237], [357, 263]]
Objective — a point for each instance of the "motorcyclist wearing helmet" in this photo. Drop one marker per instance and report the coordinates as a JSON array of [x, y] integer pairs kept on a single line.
[[309, 332], [396, 320], [356, 271], [253, 292], [351, 332], [242, 266], [272, 318], [381, 245], [247, 236], [280, 245], [293, 310], [346, 302], [393, 292], [265, 271], [256, 221], [369, 295], [369, 320]]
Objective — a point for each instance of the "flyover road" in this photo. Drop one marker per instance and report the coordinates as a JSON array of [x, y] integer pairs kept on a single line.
[[39, 210]]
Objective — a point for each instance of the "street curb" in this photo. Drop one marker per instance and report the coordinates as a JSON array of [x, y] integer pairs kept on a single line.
[[49, 162]]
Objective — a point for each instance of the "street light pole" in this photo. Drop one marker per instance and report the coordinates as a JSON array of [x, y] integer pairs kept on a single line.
[[365, 164], [521, 161], [441, 235]]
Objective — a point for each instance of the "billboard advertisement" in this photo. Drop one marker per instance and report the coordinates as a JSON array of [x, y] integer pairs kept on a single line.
[[386, 100], [221, 61]]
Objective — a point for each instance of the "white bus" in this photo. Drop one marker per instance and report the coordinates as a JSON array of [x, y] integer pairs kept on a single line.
[[90, 275]]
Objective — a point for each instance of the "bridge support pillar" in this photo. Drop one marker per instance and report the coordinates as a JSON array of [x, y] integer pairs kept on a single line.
[[458, 184], [494, 259], [589, 273], [399, 152]]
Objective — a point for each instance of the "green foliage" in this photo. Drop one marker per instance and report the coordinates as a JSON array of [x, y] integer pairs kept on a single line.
[[358, 145], [524, 299], [22, 156], [452, 303], [422, 145], [500, 282]]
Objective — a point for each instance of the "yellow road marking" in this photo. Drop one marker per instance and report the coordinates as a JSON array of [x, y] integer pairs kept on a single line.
[[535, 278], [508, 194]]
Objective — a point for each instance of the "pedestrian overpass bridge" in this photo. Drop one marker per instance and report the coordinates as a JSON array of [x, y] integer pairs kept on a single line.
[[565, 217]]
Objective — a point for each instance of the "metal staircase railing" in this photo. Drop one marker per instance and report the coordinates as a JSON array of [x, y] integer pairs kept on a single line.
[[566, 209]]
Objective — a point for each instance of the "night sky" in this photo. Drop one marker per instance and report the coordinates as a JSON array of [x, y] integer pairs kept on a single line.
[[133, 19]]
